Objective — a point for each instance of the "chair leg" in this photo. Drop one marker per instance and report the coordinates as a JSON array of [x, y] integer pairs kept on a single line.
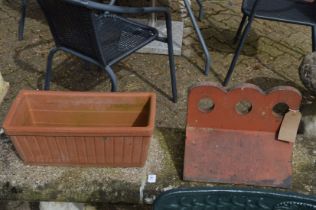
[[172, 71], [200, 37], [237, 52], [49, 67], [241, 26], [112, 76], [171, 59], [173, 77], [314, 38], [22, 19], [201, 11]]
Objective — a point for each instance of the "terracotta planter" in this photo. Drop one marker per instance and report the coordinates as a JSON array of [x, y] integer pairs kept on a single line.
[[76, 128]]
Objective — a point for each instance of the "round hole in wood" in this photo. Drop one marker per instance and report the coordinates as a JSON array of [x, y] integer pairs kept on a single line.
[[206, 105], [243, 107], [280, 109]]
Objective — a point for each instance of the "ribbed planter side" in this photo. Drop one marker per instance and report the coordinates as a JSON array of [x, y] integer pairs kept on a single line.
[[82, 128], [74, 150]]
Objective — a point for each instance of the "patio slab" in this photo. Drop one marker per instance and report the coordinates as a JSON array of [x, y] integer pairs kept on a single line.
[[156, 47]]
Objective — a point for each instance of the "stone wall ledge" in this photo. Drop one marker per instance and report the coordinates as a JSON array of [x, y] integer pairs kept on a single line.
[[122, 185]]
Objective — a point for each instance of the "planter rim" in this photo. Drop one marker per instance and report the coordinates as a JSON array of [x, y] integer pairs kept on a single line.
[[74, 131], [78, 131]]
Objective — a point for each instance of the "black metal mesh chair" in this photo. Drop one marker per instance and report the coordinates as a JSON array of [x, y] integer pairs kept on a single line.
[[24, 4], [232, 198], [96, 33], [302, 12]]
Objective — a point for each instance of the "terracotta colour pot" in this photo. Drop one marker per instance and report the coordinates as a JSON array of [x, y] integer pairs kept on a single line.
[[76, 128]]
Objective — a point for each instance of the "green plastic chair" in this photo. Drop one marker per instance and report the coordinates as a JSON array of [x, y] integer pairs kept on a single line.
[[232, 199]]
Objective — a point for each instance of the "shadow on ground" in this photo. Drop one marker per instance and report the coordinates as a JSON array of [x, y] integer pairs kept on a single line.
[[33, 9], [68, 71], [175, 138], [266, 83], [16, 205], [221, 40]]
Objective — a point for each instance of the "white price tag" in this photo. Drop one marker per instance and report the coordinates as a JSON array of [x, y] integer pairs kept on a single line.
[[152, 178], [289, 126]]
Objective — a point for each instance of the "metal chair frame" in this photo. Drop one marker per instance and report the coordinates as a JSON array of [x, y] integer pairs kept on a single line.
[[243, 31], [109, 8], [207, 56], [24, 4]]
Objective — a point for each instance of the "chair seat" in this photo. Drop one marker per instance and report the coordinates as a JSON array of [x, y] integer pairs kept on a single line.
[[119, 36], [292, 11]]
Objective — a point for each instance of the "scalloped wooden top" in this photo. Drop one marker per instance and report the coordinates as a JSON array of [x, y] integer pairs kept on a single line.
[[224, 115]]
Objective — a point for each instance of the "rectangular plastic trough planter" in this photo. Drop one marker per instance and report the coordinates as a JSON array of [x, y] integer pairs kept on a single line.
[[76, 128]]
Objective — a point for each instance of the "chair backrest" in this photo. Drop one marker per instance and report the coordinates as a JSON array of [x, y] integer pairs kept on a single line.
[[237, 199], [72, 26]]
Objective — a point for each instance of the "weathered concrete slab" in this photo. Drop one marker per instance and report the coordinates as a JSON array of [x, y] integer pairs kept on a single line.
[[61, 206], [25, 182], [116, 185], [19, 181]]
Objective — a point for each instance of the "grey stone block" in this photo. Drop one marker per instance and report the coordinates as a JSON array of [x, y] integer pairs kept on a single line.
[[61, 206], [156, 47], [309, 120], [307, 72], [3, 88]]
